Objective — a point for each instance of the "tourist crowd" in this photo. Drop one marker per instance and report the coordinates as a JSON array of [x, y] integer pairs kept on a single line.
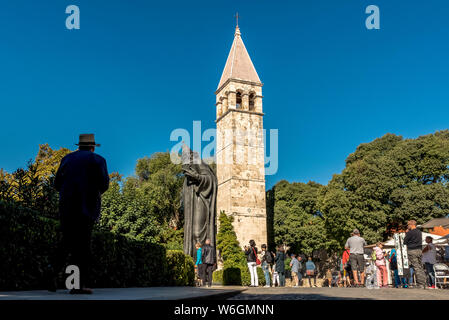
[[355, 270]]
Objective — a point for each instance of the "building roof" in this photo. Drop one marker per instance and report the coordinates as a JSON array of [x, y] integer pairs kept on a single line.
[[438, 222], [239, 65]]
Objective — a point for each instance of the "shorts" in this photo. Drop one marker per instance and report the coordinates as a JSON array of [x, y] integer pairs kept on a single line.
[[357, 262]]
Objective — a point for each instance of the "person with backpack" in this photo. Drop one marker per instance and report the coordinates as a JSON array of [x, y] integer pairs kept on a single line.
[[253, 261], [311, 272], [394, 266], [266, 260]]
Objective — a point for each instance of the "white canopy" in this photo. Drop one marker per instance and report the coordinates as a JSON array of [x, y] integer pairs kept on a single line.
[[436, 240]]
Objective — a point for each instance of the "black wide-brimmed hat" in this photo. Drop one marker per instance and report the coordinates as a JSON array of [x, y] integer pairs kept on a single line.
[[87, 140]]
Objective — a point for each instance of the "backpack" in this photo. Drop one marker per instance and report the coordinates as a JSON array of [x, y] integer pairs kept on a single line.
[[268, 257]]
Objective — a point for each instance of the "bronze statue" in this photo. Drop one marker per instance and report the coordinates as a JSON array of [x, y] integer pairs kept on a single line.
[[199, 196]]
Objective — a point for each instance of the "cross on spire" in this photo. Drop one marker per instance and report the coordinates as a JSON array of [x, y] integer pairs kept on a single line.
[[237, 19]]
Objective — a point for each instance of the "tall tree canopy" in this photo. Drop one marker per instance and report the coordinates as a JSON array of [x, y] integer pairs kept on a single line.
[[146, 205], [387, 182], [292, 208]]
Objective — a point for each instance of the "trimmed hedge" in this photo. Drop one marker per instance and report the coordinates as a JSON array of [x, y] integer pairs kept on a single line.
[[27, 240], [237, 276], [181, 269]]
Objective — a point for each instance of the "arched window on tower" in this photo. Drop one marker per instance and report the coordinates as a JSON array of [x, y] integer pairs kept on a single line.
[[238, 102], [252, 100]]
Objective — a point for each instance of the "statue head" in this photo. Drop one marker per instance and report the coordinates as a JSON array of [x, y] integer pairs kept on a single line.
[[192, 161]]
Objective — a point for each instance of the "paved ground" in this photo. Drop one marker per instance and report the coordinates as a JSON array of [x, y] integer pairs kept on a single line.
[[153, 293], [233, 293], [289, 293]]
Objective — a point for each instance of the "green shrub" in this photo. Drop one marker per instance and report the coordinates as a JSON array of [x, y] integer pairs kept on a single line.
[[232, 275], [27, 241], [181, 269], [261, 277], [217, 276], [235, 269], [122, 261]]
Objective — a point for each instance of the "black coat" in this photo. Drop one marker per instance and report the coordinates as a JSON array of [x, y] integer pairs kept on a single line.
[[280, 261], [208, 254], [81, 179], [251, 254]]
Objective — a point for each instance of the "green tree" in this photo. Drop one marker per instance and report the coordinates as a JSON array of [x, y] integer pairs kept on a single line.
[[32, 186], [387, 182], [292, 207], [125, 211], [161, 182], [147, 205]]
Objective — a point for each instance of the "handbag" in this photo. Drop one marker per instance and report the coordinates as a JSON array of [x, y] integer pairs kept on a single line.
[[310, 272], [257, 258]]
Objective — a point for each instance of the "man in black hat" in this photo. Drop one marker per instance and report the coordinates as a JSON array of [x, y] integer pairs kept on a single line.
[[81, 179]]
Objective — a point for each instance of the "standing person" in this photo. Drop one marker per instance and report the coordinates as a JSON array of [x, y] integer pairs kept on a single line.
[[411, 277], [275, 278], [280, 265], [381, 265], [311, 272], [208, 259], [81, 179], [345, 268], [300, 272], [295, 267], [266, 260], [356, 244], [429, 258], [413, 241], [251, 259], [394, 267], [199, 263], [342, 282], [329, 277]]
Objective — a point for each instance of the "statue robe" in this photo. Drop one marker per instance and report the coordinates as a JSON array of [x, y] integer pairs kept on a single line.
[[199, 198]]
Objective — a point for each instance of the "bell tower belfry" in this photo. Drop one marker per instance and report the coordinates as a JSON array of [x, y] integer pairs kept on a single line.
[[240, 146]]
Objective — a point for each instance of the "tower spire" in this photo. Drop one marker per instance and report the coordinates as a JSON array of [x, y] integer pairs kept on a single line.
[[238, 65]]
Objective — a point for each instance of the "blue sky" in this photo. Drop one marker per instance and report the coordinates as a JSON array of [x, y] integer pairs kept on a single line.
[[136, 70]]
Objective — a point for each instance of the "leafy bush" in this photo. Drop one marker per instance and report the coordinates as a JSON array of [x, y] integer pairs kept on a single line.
[[181, 269], [27, 241], [122, 261], [217, 276]]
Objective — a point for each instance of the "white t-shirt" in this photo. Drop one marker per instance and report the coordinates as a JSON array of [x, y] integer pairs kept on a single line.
[[430, 256]]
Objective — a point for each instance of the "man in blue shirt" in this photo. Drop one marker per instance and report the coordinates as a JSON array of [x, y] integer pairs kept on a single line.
[[295, 265]]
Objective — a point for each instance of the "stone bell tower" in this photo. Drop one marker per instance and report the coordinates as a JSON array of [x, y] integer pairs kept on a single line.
[[240, 146]]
